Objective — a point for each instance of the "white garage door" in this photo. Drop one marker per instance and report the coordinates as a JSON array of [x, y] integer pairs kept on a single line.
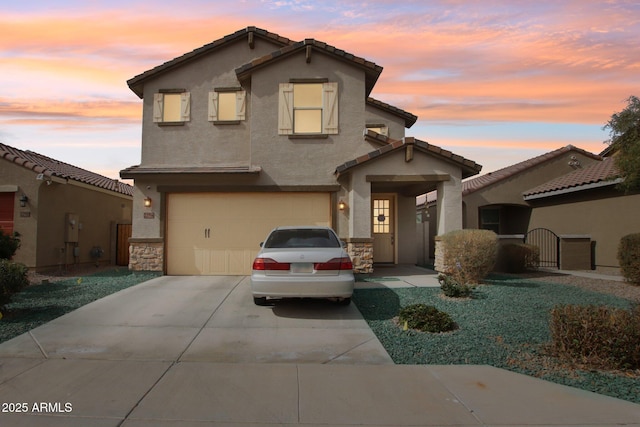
[[220, 233]]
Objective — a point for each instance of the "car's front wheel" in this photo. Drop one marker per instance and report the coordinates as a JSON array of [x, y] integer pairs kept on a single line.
[[260, 300], [344, 301]]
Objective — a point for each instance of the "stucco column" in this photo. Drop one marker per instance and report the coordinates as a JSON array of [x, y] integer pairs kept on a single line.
[[449, 205], [359, 242], [360, 208]]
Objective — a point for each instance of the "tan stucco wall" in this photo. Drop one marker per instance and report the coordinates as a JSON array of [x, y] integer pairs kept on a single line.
[[199, 142], [509, 191], [374, 115], [287, 161], [25, 220], [97, 213], [41, 222], [605, 219]]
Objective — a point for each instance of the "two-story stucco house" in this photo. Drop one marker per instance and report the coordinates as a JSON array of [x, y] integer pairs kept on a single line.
[[253, 131]]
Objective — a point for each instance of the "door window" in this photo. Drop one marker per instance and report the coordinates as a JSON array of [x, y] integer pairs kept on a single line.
[[381, 211]]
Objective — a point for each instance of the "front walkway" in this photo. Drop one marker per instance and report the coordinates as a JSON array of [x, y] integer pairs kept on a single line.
[[398, 276]]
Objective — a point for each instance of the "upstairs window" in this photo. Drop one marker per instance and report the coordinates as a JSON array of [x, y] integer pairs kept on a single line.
[[379, 128], [172, 106], [308, 108], [227, 105]]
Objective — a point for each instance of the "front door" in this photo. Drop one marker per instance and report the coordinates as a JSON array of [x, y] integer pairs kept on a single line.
[[383, 227]]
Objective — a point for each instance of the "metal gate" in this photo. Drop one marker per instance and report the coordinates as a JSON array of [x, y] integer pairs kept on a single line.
[[122, 245], [549, 244]]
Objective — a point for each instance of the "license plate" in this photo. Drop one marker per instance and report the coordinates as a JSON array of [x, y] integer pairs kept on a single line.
[[302, 267]]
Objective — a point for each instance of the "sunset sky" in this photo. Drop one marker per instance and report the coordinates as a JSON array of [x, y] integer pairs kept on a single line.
[[496, 81]]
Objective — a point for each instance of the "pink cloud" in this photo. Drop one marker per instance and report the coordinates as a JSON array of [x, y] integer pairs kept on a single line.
[[446, 61]]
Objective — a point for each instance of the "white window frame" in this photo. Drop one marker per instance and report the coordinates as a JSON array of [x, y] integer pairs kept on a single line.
[[241, 105], [185, 106], [329, 109]]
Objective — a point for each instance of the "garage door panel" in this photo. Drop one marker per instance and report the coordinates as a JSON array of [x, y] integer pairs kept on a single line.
[[236, 224]]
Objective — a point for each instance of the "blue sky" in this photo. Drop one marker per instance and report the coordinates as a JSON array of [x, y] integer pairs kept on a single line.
[[496, 81]]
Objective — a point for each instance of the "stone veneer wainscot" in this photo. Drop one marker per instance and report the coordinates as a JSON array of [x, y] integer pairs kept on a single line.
[[146, 254], [361, 253]]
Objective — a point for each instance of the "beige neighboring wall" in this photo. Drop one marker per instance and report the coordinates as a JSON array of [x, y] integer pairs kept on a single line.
[[605, 219], [97, 211], [509, 190], [25, 219]]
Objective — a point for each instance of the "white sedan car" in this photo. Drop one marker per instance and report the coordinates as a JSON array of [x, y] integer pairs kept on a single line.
[[302, 262]]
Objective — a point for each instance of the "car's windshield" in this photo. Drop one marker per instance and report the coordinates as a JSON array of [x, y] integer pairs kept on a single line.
[[302, 238]]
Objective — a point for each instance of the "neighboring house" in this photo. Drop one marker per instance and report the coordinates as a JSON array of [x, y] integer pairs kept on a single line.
[[587, 202], [569, 191], [65, 215], [255, 130], [494, 201]]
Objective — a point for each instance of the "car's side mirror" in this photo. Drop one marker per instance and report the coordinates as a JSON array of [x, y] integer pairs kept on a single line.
[[261, 243], [343, 243]]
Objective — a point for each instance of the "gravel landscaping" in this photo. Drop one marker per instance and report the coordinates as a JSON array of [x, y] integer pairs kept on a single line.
[[505, 324], [51, 296]]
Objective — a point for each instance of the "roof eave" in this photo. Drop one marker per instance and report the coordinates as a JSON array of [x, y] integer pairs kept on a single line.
[[134, 172], [468, 167], [574, 189], [372, 70], [409, 119], [136, 84]]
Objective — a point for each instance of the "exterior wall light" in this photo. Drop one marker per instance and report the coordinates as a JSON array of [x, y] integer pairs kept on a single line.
[[23, 200], [342, 205], [147, 202]]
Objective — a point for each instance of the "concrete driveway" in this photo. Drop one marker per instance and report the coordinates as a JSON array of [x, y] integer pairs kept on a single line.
[[204, 319], [196, 351]]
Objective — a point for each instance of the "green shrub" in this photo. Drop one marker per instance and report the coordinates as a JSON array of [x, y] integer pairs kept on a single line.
[[9, 244], [597, 336], [453, 289], [519, 257], [426, 318], [469, 255], [13, 278], [629, 257]]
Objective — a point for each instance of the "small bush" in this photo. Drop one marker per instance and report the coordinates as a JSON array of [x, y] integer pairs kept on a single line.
[[597, 336], [426, 318], [13, 278], [469, 255], [453, 289], [520, 257], [629, 257], [9, 244]]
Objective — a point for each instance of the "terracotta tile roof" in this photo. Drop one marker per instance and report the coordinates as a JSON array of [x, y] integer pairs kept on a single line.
[[54, 168], [136, 84], [372, 71], [483, 181], [469, 167], [600, 173], [409, 119]]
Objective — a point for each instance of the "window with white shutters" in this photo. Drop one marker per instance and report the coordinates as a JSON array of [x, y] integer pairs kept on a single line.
[[171, 107], [308, 108], [227, 105]]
